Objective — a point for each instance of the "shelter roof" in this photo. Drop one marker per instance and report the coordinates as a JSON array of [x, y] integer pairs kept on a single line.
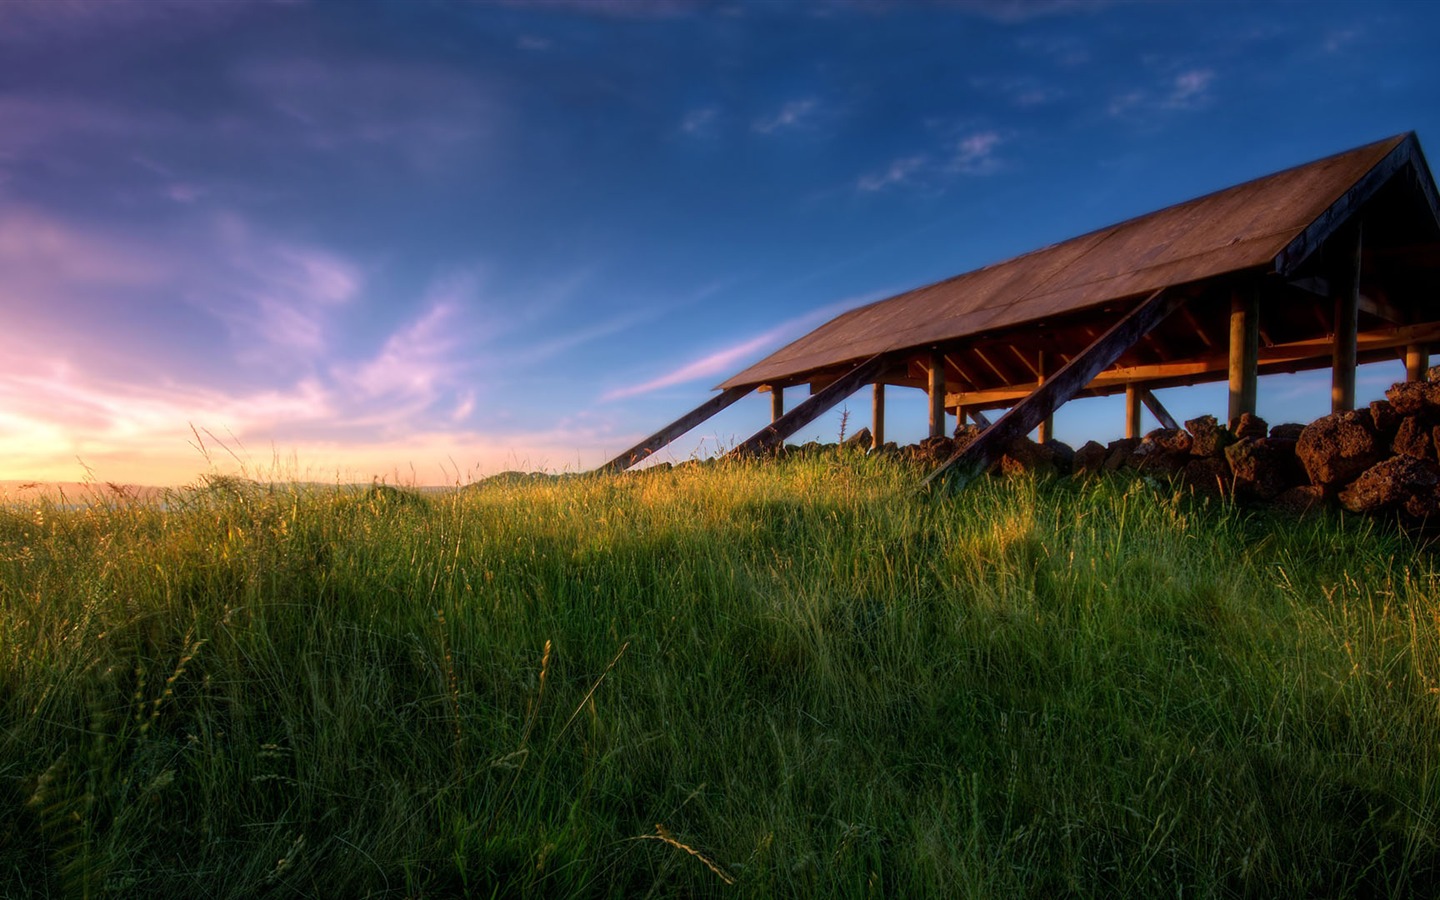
[[1273, 223]]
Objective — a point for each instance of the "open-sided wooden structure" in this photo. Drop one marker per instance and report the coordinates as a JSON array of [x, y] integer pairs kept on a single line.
[[1328, 264]]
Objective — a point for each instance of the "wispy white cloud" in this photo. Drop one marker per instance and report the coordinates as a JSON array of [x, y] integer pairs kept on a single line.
[[975, 154], [700, 122], [426, 117], [414, 362], [1021, 92], [1341, 39], [900, 172], [726, 360], [1007, 12], [616, 9], [794, 114], [41, 253], [68, 20], [58, 411], [36, 127], [59, 423], [1189, 89], [1120, 104], [1014, 12], [280, 299]]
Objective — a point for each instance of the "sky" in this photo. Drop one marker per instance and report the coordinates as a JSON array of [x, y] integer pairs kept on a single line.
[[426, 242]]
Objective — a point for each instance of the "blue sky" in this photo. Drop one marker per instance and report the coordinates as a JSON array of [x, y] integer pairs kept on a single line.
[[428, 241]]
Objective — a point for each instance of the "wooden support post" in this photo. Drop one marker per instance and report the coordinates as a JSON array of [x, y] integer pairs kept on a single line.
[[1132, 410], [1244, 353], [1346, 284], [1158, 409], [979, 418], [772, 435], [937, 393], [1047, 427], [877, 416], [986, 450], [777, 402], [674, 430], [1417, 362]]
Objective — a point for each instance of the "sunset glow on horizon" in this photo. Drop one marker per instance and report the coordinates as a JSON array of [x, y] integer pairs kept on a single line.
[[430, 242]]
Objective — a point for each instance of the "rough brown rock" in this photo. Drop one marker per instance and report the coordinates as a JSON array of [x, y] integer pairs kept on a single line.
[[1164, 450], [1063, 454], [1207, 438], [1263, 469], [932, 451], [1300, 499], [1422, 505], [1120, 452], [1411, 397], [965, 435], [1336, 448], [1250, 426], [1390, 483], [860, 440], [1412, 438], [1209, 475], [1090, 458], [1025, 456], [1287, 431], [1384, 417]]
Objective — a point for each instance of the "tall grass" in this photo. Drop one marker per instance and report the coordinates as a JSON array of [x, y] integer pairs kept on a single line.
[[793, 679]]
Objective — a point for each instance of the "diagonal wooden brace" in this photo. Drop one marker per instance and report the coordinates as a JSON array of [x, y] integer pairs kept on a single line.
[[1158, 410], [771, 435], [672, 431], [986, 450]]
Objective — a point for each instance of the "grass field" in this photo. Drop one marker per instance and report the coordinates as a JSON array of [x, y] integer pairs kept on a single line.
[[794, 679]]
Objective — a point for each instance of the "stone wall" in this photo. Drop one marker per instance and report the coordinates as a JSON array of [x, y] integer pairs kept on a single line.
[[1383, 459]]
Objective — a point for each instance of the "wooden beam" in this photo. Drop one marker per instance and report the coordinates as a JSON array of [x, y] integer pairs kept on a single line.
[[979, 418], [773, 434], [877, 416], [1244, 353], [987, 449], [1347, 323], [676, 428], [1289, 357], [1158, 410], [1004, 378], [1047, 425], [964, 373], [1313, 284], [777, 402], [937, 393], [1332, 220], [1417, 362], [1132, 410], [1380, 306], [1195, 325], [1035, 370]]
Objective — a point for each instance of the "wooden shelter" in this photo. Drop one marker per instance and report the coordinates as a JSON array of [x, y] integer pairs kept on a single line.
[[1328, 264]]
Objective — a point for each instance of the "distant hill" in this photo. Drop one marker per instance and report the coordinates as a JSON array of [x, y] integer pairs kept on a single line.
[[74, 491]]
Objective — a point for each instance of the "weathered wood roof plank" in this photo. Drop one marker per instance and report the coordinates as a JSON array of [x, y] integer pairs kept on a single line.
[[1270, 224]]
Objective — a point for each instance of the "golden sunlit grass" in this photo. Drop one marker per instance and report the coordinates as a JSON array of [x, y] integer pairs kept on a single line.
[[818, 682]]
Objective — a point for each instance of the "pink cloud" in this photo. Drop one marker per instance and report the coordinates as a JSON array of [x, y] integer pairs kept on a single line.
[[729, 359]]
